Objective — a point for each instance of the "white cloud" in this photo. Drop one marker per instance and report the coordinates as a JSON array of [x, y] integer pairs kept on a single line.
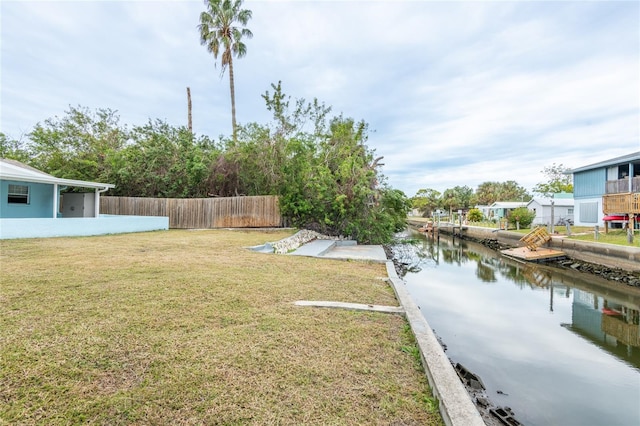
[[456, 93]]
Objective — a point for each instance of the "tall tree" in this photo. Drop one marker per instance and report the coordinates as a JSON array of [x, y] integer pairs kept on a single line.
[[558, 180], [13, 149], [459, 197], [218, 31], [490, 192], [327, 178], [80, 145], [512, 191], [164, 161], [426, 200]]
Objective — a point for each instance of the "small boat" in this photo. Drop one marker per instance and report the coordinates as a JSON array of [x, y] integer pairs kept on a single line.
[[610, 218], [611, 312]]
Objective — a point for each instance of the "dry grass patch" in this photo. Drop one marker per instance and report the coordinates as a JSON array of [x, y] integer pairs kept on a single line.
[[189, 327]]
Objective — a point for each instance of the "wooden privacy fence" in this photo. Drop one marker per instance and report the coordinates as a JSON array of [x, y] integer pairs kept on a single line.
[[199, 213]]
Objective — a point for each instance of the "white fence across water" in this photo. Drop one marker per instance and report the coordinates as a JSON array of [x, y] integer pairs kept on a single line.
[[200, 213]]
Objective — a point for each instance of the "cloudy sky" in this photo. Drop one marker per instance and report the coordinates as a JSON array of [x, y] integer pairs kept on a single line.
[[455, 93]]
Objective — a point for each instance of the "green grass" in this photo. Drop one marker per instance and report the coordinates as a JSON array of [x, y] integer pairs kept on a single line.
[[617, 236], [189, 327], [584, 233]]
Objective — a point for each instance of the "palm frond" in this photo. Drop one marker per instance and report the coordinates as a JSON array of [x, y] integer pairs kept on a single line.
[[219, 35]]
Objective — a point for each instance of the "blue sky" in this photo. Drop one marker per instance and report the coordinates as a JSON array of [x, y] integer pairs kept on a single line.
[[455, 93]]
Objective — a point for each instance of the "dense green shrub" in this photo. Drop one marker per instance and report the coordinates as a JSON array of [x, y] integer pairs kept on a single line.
[[326, 177], [475, 215], [522, 215]]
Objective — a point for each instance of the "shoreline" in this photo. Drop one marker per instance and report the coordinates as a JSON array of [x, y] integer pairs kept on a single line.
[[492, 414], [616, 264]]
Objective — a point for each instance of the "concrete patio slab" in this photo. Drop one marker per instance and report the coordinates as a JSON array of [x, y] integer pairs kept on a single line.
[[372, 253], [314, 248]]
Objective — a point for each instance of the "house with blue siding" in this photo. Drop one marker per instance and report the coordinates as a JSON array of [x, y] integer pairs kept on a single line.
[[34, 204], [502, 209], [609, 189], [29, 193]]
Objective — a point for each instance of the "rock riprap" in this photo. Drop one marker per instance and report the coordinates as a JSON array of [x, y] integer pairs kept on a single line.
[[299, 238]]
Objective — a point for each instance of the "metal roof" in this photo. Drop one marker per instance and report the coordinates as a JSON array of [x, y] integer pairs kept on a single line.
[[508, 204], [558, 202], [629, 158], [15, 170]]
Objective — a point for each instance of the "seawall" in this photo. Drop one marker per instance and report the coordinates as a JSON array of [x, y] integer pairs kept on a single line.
[[611, 255], [455, 404]]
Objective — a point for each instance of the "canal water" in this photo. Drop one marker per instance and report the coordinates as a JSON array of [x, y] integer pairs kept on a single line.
[[557, 347]]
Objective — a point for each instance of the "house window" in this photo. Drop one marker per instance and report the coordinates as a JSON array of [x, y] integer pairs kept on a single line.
[[570, 210], [589, 212], [18, 194], [623, 171]]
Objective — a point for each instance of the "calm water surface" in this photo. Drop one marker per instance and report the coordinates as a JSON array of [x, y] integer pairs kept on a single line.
[[562, 347]]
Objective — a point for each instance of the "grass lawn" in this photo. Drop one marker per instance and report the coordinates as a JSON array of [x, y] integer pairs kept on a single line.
[[189, 327], [614, 236], [584, 233]]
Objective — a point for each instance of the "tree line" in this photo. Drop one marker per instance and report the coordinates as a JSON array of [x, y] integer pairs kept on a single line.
[[429, 200], [319, 165]]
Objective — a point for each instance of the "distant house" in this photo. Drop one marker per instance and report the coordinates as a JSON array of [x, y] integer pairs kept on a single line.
[[609, 189], [33, 204], [502, 209], [562, 210]]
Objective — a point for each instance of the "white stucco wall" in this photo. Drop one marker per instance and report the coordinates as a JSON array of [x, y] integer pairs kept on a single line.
[[577, 207], [77, 227]]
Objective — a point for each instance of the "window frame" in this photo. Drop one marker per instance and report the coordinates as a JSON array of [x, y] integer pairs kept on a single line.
[[18, 194]]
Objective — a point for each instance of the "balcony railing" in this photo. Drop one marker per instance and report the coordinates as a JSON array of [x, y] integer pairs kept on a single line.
[[621, 203], [622, 185]]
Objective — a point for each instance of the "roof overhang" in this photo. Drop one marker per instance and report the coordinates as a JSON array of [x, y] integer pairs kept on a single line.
[[508, 204], [15, 171], [629, 158], [556, 202]]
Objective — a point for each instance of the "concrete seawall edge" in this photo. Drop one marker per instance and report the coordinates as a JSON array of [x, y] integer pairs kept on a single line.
[[455, 404], [610, 255]]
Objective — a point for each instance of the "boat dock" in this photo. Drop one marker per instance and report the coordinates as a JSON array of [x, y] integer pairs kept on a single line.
[[533, 250], [541, 254]]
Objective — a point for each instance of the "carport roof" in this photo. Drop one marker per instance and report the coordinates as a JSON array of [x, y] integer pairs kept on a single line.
[[16, 171]]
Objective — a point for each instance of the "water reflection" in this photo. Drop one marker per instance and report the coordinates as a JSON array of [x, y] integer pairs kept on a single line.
[[610, 324], [548, 337], [602, 313]]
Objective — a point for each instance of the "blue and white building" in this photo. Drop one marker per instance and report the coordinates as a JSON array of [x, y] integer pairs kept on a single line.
[[34, 204], [610, 187]]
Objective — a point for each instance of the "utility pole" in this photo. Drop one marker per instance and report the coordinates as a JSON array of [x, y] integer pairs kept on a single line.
[[189, 122], [552, 218]]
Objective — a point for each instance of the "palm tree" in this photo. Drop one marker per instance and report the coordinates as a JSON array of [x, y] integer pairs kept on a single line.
[[219, 34]]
